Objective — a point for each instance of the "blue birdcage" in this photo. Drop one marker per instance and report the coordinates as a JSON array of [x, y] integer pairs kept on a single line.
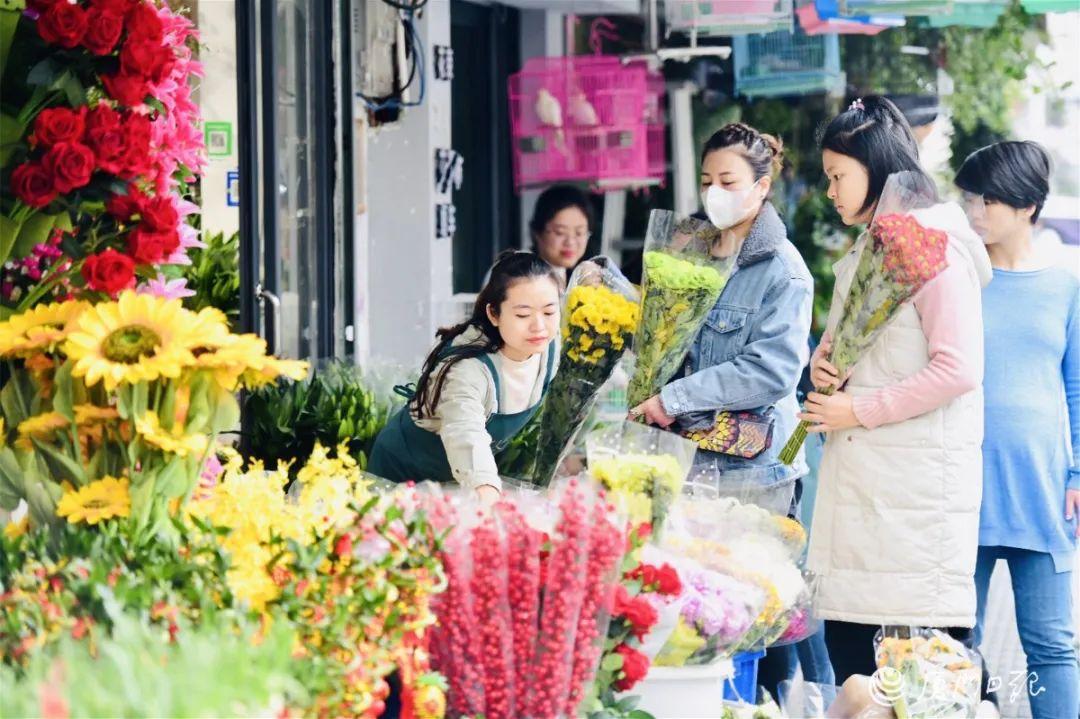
[[786, 63], [710, 18], [1036, 7]]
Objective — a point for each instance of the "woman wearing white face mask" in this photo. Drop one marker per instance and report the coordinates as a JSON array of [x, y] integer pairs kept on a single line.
[[749, 355]]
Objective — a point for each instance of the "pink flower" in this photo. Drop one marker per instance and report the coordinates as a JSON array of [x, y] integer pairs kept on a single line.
[[166, 288]]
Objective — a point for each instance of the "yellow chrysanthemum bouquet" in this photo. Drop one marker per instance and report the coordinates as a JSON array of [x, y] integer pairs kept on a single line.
[[598, 322], [110, 410], [682, 280], [642, 467]]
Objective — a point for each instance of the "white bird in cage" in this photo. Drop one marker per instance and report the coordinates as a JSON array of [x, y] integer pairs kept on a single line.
[[549, 111], [582, 112]]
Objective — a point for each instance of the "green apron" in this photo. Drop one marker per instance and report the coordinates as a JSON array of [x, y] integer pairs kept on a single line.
[[404, 451]]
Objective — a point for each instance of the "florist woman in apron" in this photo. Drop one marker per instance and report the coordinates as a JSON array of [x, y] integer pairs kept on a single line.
[[481, 383]]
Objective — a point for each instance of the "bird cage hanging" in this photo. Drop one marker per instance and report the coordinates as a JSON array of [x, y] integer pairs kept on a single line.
[[895, 7], [786, 63], [1037, 7], [728, 17], [971, 13], [655, 126], [577, 118]]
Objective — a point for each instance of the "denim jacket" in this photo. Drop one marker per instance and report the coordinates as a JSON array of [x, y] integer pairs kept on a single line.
[[751, 351]]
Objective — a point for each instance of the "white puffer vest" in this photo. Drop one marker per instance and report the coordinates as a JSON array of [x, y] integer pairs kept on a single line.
[[896, 520]]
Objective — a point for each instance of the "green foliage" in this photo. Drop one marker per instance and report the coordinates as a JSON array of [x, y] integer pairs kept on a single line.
[[214, 276], [336, 405], [213, 668]]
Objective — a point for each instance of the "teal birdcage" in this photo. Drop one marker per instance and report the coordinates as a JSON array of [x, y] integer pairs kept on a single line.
[[971, 13], [786, 63], [895, 7], [1036, 7], [728, 17]]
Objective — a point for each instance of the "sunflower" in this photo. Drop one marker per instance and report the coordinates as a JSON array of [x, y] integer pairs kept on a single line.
[[104, 499], [242, 358], [138, 337], [86, 414], [42, 426], [40, 328], [149, 428]]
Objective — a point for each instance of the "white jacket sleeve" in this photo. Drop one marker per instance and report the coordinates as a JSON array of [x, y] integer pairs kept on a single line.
[[462, 416]]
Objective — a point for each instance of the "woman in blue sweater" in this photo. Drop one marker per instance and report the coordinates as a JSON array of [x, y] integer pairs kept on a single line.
[[1031, 482]]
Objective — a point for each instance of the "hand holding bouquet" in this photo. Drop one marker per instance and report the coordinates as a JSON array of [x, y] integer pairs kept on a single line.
[[682, 281], [896, 260]]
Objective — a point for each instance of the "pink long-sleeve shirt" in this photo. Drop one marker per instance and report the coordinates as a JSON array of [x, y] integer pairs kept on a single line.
[[949, 308]]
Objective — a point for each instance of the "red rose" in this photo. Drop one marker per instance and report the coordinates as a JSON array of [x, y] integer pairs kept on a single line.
[[33, 184], [109, 272], [144, 23], [668, 581], [130, 90], [110, 148], [160, 214], [102, 117], [103, 31], [641, 615], [634, 668], [120, 7], [71, 164], [62, 24], [59, 124], [122, 207], [137, 133], [343, 546], [146, 58], [147, 247]]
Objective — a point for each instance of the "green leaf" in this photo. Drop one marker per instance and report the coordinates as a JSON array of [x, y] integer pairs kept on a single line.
[[17, 398], [226, 412], [612, 663], [639, 714], [10, 480], [74, 91], [124, 401], [62, 466], [140, 398], [9, 230], [34, 231], [9, 21], [63, 399], [44, 74], [11, 132], [172, 479]]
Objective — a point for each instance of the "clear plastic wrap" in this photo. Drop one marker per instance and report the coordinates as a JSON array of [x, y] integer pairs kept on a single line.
[[643, 467], [598, 323], [522, 623], [682, 278], [925, 673]]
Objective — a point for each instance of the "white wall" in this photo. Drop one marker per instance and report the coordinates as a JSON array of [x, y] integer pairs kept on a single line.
[[407, 280], [217, 98]]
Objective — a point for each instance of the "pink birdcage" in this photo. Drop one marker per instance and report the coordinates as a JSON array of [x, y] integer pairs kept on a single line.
[[577, 118], [655, 125]]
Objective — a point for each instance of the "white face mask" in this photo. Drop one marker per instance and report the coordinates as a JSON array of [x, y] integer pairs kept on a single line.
[[726, 208]]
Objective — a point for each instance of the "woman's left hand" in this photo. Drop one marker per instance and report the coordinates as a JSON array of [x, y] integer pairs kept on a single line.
[[1072, 507], [829, 413], [652, 411]]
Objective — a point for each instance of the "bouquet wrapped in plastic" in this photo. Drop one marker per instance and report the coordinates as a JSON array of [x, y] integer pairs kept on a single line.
[[898, 256], [926, 673], [681, 281], [598, 323], [643, 467], [522, 624]]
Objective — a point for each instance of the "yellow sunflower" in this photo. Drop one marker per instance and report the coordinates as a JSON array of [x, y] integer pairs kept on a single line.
[[42, 426], [92, 414], [138, 337], [104, 499], [40, 328], [149, 428]]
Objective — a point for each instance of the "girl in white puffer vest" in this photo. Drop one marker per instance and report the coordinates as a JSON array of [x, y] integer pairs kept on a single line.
[[897, 511]]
